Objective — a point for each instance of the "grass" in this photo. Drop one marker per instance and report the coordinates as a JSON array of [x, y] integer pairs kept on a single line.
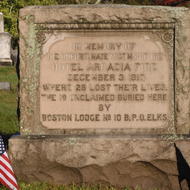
[[8, 101], [45, 186]]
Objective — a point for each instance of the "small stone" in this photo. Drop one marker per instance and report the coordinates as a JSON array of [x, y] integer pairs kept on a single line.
[[5, 86]]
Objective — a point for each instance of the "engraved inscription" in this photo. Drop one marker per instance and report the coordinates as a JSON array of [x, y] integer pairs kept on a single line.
[[106, 80]]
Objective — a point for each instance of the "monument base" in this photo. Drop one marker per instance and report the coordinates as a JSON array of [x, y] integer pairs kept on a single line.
[[5, 62], [120, 161]]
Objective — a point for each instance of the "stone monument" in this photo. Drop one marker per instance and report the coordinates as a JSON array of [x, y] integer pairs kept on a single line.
[[5, 44], [104, 94]]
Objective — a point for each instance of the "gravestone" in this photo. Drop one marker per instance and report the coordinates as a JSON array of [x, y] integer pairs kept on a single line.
[[104, 94], [5, 44], [5, 86]]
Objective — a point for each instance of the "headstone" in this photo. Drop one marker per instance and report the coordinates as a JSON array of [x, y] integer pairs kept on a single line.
[[5, 86], [5, 45], [104, 93], [1, 23]]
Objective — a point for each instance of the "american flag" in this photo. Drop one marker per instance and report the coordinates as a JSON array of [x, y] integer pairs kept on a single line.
[[7, 177]]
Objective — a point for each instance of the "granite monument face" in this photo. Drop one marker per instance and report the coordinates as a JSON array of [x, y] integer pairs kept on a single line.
[[107, 79], [104, 94]]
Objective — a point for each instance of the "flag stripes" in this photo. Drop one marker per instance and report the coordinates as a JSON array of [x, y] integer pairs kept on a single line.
[[5, 157], [7, 183], [4, 166], [7, 177]]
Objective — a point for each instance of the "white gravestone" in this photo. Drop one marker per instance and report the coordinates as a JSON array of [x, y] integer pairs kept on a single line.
[[5, 44]]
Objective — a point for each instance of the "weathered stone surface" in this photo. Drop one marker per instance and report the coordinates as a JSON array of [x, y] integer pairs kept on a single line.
[[126, 154], [120, 161], [5, 86], [36, 24]]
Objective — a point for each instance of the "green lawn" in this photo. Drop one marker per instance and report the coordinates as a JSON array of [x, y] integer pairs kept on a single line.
[[44, 186], [8, 101]]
